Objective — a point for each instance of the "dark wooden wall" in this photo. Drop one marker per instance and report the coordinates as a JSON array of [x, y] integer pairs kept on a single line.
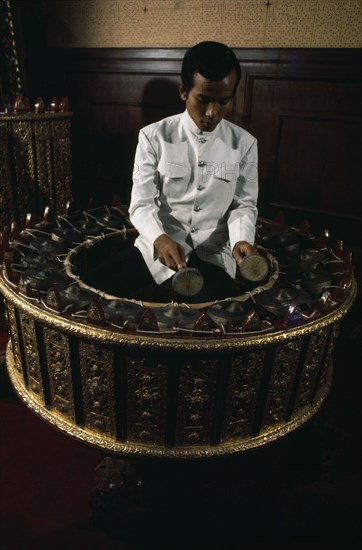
[[304, 107]]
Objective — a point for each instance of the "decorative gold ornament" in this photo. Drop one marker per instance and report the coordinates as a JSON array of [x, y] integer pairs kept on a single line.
[[148, 388], [35, 164]]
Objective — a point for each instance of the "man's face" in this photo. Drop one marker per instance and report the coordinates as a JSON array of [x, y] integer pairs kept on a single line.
[[208, 101]]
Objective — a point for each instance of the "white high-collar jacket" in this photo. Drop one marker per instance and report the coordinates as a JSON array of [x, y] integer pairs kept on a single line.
[[200, 188]]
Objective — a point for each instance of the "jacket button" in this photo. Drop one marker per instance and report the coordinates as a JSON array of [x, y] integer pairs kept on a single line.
[[200, 187], [201, 163], [197, 209], [194, 229]]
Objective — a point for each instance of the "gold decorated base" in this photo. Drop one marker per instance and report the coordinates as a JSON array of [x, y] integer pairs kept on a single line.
[[154, 389], [137, 449]]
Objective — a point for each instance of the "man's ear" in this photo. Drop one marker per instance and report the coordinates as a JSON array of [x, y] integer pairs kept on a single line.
[[182, 90]]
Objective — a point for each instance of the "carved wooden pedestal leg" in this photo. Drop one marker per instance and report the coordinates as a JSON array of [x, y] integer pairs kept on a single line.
[[117, 495]]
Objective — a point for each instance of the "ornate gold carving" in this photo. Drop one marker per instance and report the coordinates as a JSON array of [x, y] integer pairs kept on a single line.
[[24, 166], [11, 317], [60, 130], [39, 148], [148, 321], [53, 300], [59, 371], [105, 442], [281, 383], [195, 401], [243, 388], [9, 49], [95, 313], [6, 191], [96, 366], [53, 155], [311, 367], [43, 145], [31, 355], [146, 399]]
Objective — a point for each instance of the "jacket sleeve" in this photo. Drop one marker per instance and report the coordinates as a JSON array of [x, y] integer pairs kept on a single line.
[[242, 214], [144, 208]]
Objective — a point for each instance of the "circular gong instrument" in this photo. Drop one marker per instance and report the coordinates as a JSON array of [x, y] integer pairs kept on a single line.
[[187, 281], [254, 268], [175, 380]]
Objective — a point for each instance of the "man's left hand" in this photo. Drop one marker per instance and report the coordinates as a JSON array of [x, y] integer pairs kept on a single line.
[[242, 249]]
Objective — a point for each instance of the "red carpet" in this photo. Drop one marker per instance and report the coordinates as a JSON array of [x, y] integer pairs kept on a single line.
[[45, 481], [300, 493]]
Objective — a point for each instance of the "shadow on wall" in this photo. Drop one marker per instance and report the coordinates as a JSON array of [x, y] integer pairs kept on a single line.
[[160, 99], [104, 149]]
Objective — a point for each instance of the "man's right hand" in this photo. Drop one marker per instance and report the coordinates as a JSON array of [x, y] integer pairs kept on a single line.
[[169, 252]]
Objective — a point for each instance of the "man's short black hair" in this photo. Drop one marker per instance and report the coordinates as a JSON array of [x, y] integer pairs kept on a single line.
[[212, 60]]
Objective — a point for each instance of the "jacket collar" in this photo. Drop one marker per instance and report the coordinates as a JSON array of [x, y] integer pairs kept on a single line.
[[200, 135]]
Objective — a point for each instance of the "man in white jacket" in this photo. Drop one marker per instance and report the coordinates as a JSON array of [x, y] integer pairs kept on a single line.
[[195, 186], [195, 181]]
